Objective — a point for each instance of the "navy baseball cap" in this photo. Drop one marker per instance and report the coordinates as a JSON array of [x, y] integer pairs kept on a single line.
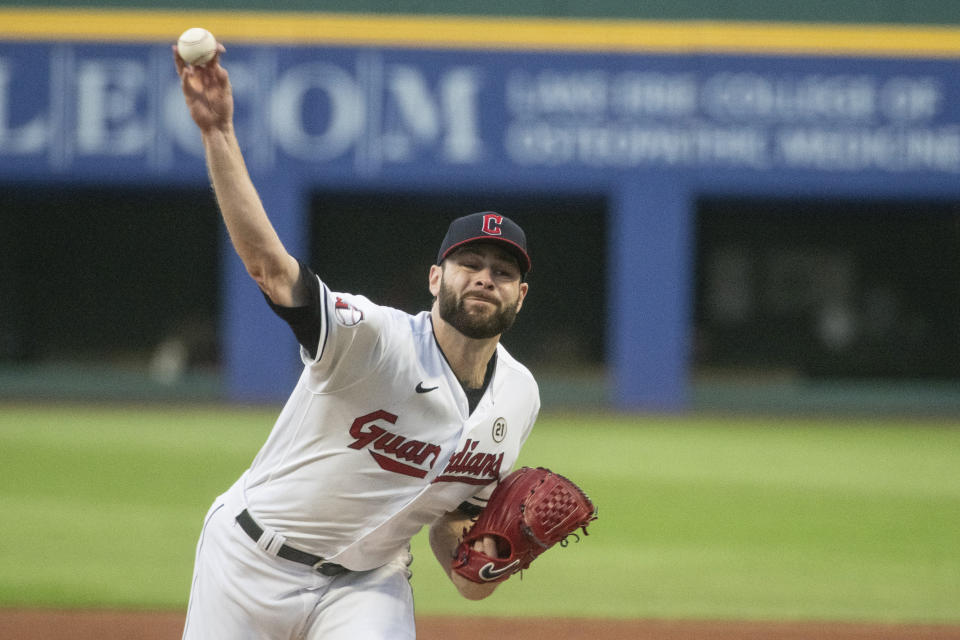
[[486, 226]]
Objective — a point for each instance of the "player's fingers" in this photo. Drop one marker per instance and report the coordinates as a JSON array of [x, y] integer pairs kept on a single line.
[[177, 60], [187, 74], [187, 79], [204, 74], [214, 77], [486, 545], [215, 60], [220, 74]]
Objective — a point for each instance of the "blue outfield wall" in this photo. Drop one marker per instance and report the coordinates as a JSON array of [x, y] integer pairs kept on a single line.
[[650, 131]]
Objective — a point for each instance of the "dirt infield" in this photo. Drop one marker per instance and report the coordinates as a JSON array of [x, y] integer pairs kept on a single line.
[[115, 625]]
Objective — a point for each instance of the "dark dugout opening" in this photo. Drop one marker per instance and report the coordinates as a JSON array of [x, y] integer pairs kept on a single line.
[[106, 275], [828, 288]]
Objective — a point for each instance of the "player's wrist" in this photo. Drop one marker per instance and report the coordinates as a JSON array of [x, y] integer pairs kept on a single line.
[[218, 129], [472, 590], [220, 141]]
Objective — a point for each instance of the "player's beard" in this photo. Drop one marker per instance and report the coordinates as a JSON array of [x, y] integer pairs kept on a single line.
[[474, 324]]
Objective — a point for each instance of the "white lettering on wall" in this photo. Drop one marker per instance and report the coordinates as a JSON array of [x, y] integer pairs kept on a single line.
[[888, 149], [345, 105], [910, 99], [415, 117], [371, 113], [605, 145], [109, 118], [747, 96], [22, 137], [653, 95]]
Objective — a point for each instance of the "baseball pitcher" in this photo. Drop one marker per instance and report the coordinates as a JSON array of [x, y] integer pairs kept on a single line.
[[397, 421]]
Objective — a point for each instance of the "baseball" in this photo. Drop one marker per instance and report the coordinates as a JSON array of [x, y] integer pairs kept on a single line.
[[197, 46]]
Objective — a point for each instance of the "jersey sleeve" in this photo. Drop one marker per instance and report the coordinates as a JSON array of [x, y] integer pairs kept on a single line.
[[306, 321], [343, 337]]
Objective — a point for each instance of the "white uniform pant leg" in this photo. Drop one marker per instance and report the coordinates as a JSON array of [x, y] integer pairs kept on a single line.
[[241, 593], [373, 605]]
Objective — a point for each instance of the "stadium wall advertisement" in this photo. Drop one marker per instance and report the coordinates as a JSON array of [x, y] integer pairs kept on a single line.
[[652, 131]]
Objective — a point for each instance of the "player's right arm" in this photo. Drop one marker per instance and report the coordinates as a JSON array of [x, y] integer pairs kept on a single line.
[[208, 95], [445, 535]]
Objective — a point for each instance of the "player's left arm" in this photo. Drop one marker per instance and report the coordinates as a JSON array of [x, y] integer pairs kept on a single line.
[[445, 534]]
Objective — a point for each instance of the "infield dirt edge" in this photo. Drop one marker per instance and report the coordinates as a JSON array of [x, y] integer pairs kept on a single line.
[[34, 624]]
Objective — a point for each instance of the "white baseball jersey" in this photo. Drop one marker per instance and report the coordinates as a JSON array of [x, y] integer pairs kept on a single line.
[[377, 438]]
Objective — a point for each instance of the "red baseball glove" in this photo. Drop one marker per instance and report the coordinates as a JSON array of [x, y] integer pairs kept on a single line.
[[530, 511]]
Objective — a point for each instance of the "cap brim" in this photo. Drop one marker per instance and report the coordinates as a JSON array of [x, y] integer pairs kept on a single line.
[[522, 258]]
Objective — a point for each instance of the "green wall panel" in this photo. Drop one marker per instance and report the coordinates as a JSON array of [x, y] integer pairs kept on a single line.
[[841, 11]]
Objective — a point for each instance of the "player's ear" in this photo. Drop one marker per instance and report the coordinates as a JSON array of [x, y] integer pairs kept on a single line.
[[524, 288], [436, 273]]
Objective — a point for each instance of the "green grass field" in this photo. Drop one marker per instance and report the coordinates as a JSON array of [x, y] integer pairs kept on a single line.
[[700, 517]]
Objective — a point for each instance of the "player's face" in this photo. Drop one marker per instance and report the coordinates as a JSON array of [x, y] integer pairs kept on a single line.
[[479, 291]]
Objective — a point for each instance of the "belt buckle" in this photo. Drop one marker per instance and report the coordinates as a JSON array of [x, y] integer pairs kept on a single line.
[[328, 569]]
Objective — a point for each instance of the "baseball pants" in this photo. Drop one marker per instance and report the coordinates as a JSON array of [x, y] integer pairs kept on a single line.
[[240, 592]]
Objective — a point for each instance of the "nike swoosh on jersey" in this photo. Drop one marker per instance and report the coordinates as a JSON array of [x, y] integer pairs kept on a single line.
[[423, 389], [487, 572]]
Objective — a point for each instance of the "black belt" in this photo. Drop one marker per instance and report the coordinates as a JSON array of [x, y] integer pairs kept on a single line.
[[252, 529]]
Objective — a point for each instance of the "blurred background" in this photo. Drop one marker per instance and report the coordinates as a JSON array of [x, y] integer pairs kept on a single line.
[[744, 314], [723, 212]]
